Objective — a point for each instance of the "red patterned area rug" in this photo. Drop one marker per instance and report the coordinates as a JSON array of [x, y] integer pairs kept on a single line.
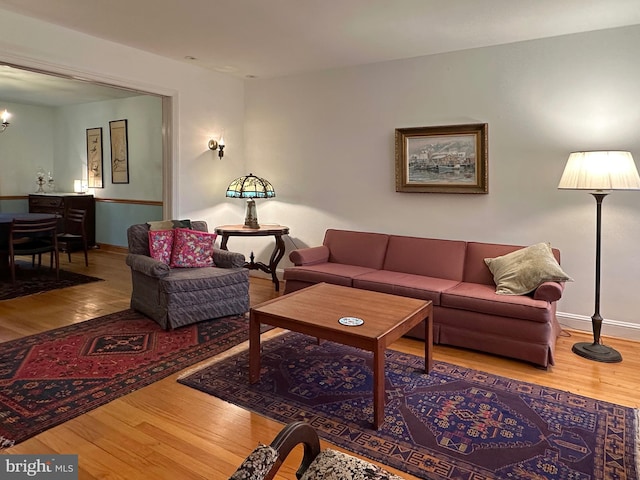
[[49, 378], [454, 423]]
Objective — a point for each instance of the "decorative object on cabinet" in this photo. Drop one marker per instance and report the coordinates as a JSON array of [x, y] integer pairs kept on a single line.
[[94, 158], [51, 183], [600, 172], [80, 186], [60, 204], [250, 187], [5, 120], [446, 159], [119, 151], [40, 180], [217, 145]]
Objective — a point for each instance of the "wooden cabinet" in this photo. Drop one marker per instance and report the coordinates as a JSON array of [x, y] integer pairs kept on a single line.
[[60, 203]]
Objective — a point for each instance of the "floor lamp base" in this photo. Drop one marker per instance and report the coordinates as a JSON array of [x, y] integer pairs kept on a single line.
[[597, 352]]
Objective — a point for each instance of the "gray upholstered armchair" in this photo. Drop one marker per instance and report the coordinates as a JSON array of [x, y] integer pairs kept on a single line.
[[180, 296], [263, 463]]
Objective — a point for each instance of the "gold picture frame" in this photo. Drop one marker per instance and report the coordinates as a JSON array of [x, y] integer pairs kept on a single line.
[[442, 159], [95, 177]]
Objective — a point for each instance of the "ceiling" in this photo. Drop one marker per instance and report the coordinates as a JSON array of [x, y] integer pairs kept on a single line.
[[271, 38], [32, 88]]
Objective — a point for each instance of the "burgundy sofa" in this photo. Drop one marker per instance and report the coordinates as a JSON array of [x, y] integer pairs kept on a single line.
[[453, 275]]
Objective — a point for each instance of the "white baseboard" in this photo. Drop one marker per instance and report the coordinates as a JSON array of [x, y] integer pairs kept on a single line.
[[610, 328]]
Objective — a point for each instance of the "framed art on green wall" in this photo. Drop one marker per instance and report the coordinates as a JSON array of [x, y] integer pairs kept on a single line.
[[119, 151], [94, 158]]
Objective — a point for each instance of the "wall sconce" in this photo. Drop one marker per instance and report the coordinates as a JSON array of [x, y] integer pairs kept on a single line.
[[5, 120], [217, 145]]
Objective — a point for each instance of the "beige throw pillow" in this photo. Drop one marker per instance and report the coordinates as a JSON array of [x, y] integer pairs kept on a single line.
[[522, 271], [160, 225], [168, 224]]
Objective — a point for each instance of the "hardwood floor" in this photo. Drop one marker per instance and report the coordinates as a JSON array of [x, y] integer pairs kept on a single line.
[[169, 431]]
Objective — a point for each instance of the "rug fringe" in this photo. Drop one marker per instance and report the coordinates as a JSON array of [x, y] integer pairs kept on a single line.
[[241, 347], [6, 442]]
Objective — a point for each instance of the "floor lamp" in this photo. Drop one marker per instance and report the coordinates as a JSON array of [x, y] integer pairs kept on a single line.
[[600, 172]]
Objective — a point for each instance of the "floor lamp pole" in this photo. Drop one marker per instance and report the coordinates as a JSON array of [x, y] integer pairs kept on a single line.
[[596, 350]]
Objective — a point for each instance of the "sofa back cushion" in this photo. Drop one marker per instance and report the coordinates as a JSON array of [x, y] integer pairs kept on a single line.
[[426, 256], [356, 248], [475, 268]]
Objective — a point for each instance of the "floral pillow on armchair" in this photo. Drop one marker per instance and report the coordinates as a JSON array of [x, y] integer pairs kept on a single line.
[[192, 248], [161, 245]]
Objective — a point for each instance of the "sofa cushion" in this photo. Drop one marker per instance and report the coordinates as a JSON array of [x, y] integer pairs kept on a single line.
[[335, 273], [476, 297], [426, 256], [360, 249], [522, 271], [404, 284], [206, 278]]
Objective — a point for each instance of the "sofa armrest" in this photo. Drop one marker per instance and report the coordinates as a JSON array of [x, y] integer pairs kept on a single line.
[[226, 259], [310, 256], [549, 291], [147, 265]]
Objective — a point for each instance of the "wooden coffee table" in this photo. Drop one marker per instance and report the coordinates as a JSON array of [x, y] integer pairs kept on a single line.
[[316, 311]]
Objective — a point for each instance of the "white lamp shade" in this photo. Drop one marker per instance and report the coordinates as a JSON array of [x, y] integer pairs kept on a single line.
[[600, 170], [79, 186]]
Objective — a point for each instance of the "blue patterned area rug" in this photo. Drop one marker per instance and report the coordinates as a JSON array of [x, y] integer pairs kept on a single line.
[[454, 423]]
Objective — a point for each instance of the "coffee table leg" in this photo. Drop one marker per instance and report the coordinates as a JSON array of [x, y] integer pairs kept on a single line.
[[254, 349], [378, 388], [428, 342]]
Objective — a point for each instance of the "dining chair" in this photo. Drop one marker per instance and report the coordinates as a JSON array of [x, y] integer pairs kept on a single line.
[[32, 237], [75, 233]]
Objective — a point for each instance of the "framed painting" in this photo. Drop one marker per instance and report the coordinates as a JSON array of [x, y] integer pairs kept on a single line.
[[95, 177], [119, 151], [444, 159]]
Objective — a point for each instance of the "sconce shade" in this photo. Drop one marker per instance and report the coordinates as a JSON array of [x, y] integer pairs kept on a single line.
[[5, 116], [600, 170], [217, 145], [250, 186]]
